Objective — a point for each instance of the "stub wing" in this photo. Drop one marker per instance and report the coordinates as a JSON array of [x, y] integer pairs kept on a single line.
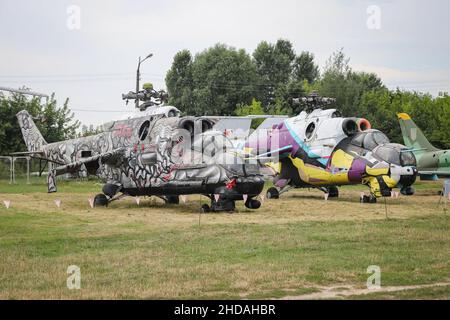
[[112, 157], [433, 175]]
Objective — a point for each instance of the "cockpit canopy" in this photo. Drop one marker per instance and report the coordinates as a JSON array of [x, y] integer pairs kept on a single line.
[[369, 139], [396, 154], [378, 144]]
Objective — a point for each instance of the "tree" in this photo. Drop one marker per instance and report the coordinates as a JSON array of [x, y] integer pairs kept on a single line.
[[274, 63], [179, 81], [341, 82], [430, 114], [54, 123], [57, 123], [255, 108], [214, 83], [305, 68]]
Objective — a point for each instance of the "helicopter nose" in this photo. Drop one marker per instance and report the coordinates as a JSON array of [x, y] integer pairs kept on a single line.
[[408, 179]]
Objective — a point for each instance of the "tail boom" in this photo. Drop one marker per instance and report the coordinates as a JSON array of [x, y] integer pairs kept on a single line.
[[31, 134]]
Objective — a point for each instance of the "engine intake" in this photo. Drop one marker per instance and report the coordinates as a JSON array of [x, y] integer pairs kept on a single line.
[[364, 124], [350, 127]]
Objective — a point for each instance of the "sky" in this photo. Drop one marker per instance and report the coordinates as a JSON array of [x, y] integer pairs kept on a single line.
[[87, 51]]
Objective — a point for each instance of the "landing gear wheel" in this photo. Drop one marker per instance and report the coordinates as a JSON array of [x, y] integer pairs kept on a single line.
[[368, 199], [229, 206], [253, 204], [273, 193], [333, 192], [100, 200], [110, 189], [173, 200], [223, 205], [407, 191], [205, 208]]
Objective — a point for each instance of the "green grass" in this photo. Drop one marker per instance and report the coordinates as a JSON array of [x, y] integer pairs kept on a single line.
[[39, 184], [290, 247], [257, 261]]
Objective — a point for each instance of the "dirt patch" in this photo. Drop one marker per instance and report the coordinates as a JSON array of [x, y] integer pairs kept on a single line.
[[342, 291]]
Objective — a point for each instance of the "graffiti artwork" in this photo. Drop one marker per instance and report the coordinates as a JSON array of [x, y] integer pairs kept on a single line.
[[151, 155]]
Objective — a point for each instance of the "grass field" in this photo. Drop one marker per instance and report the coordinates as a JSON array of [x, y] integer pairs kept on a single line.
[[299, 246]]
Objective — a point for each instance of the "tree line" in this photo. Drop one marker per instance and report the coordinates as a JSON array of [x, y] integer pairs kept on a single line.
[[223, 80]]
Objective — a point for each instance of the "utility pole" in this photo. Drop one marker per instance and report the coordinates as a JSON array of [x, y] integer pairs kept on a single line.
[[138, 77]]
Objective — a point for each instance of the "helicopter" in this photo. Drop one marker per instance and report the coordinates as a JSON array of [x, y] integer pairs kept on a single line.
[[152, 156], [321, 149]]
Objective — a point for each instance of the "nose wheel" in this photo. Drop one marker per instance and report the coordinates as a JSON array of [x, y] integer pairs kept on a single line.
[[407, 191], [272, 193], [172, 199], [100, 200], [205, 208], [253, 204], [333, 192], [368, 199]]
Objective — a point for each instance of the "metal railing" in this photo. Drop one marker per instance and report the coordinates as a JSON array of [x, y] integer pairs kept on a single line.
[[13, 167]]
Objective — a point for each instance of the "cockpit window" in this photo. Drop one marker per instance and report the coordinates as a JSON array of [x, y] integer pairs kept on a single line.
[[310, 130], [380, 138], [143, 130], [336, 114], [358, 140], [369, 142], [388, 154], [407, 158]]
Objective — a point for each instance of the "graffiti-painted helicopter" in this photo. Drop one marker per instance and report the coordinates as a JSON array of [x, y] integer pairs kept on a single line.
[[153, 156], [321, 149]]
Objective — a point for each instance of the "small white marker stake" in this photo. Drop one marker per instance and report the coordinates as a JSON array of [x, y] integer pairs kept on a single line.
[[183, 198], [217, 197], [138, 200], [245, 197], [58, 202], [262, 197], [392, 194], [91, 202], [397, 194], [7, 203], [326, 196]]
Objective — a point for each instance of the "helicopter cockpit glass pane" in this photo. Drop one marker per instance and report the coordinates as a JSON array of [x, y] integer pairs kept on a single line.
[[380, 138], [374, 139], [388, 154], [143, 130], [407, 158], [369, 142], [358, 140]]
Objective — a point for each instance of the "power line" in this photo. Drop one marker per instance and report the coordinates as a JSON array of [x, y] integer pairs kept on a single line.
[[97, 110], [86, 75]]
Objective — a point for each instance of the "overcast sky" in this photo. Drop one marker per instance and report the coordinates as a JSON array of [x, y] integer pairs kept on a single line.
[[43, 47]]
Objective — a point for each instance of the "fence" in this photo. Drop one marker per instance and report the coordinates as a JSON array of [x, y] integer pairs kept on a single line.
[[25, 169], [20, 169]]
